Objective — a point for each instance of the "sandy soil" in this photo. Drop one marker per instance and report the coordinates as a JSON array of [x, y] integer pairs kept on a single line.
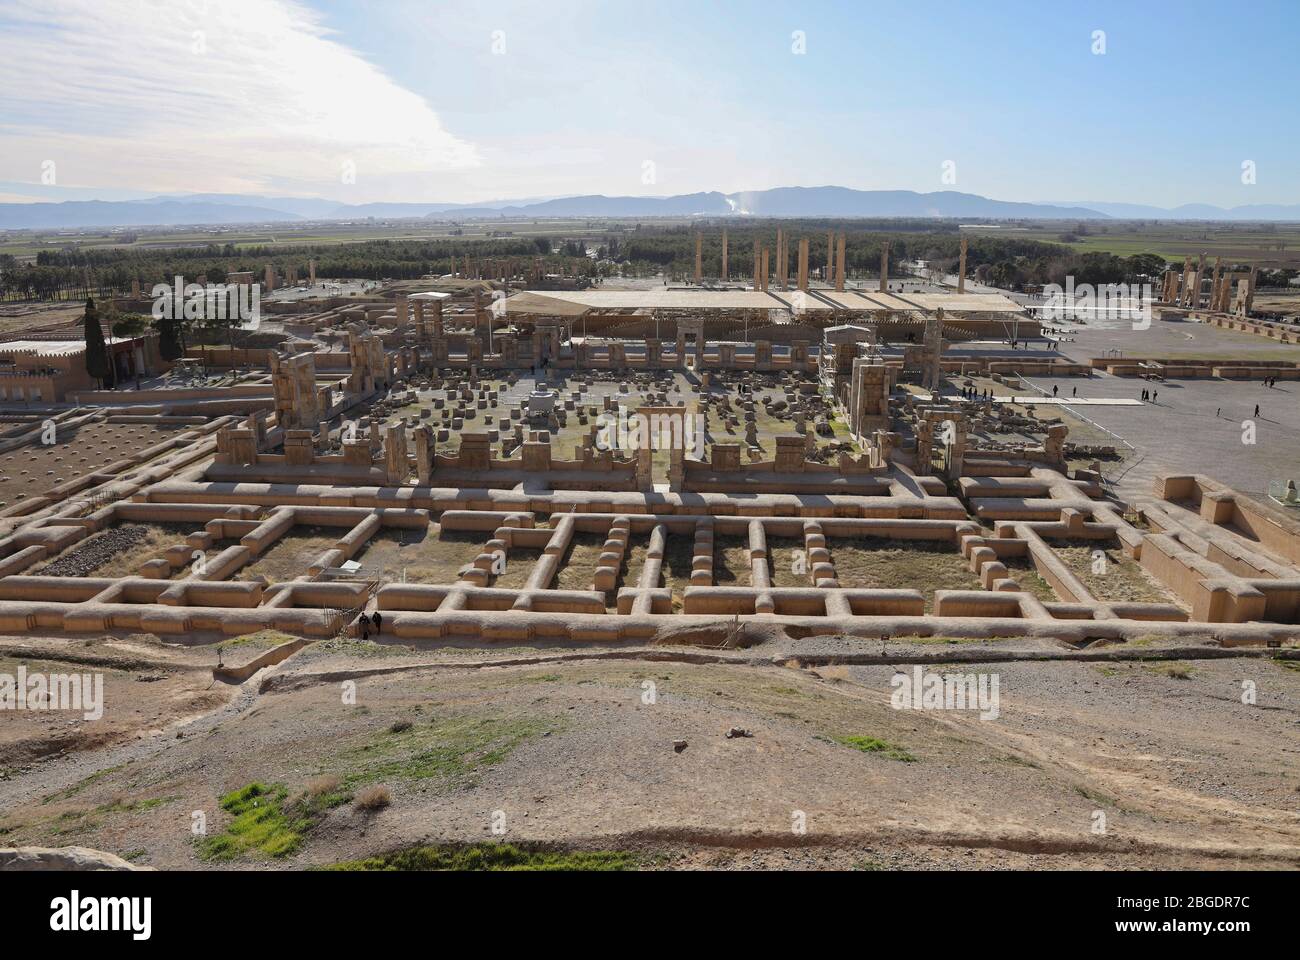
[[575, 753]]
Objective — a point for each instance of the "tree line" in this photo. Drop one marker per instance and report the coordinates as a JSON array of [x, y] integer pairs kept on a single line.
[[643, 251]]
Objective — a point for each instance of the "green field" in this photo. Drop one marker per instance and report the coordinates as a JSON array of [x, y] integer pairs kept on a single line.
[[1268, 245]]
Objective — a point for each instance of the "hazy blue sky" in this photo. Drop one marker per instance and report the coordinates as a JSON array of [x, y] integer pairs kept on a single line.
[[477, 99]]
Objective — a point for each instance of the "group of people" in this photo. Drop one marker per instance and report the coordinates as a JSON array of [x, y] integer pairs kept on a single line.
[[970, 393], [1150, 395], [377, 620], [1270, 382]]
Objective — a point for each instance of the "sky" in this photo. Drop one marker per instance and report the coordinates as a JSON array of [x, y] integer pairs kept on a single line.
[[1142, 101]]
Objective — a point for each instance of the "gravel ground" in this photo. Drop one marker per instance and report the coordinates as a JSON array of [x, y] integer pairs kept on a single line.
[[577, 753]]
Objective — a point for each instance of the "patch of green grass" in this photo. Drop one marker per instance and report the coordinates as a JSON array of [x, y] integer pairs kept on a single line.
[[264, 823], [1289, 664], [452, 749], [492, 857], [875, 745], [869, 865]]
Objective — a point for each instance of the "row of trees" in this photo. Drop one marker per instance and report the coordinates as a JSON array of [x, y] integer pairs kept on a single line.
[[99, 363], [646, 251], [78, 273], [1092, 268]]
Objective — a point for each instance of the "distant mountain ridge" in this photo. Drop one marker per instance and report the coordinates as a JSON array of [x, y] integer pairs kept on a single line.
[[825, 201], [1193, 211]]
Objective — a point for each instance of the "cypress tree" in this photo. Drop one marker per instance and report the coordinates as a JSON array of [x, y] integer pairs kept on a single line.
[[169, 341], [96, 351]]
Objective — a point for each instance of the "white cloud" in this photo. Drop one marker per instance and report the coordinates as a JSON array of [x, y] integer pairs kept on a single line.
[[199, 96]]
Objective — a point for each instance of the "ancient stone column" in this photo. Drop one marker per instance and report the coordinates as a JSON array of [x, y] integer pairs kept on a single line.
[[961, 268], [699, 258], [765, 269], [924, 448], [424, 454], [311, 272], [839, 264], [933, 350], [725, 273], [803, 264], [270, 278], [884, 267]]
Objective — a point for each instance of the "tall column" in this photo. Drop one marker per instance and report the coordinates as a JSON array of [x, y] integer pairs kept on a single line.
[[269, 285], [1183, 278], [884, 267], [311, 272], [961, 268], [699, 257], [724, 254], [803, 264], [764, 270], [780, 248], [933, 350], [839, 264]]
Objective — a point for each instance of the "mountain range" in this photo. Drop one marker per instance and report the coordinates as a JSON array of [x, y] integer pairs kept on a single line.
[[828, 201]]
